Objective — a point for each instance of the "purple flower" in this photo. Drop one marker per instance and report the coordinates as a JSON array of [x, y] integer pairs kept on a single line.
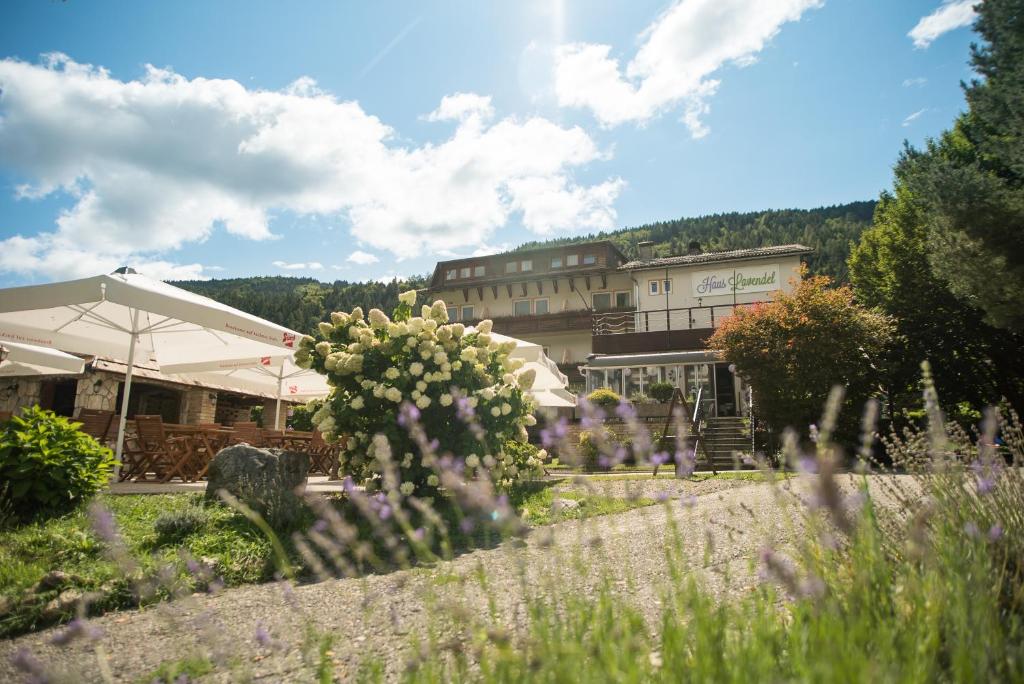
[[408, 414], [466, 525], [659, 458], [625, 411], [807, 465], [103, 523], [348, 485], [995, 533], [384, 513], [419, 534], [971, 530], [76, 629], [320, 525], [985, 485], [26, 662], [662, 496], [688, 500]]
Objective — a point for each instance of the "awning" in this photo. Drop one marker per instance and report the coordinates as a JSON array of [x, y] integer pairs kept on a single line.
[[659, 359], [19, 360], [549, 388]]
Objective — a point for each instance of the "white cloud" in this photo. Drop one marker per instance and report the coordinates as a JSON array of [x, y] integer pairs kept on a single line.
[[361, 257], [679, 52], [911, 82], [913, 117], [952, 14], [160, 162], [299, 266]]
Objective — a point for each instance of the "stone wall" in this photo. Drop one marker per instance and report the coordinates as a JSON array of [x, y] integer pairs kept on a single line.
[[200, 406], [268, 414], [17, 393], [97, 391]]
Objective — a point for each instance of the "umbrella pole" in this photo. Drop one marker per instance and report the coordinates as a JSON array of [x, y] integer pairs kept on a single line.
[[127, 388], [277, 409]]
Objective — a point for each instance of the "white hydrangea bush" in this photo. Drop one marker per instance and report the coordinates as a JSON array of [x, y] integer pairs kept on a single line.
[[469, 396]]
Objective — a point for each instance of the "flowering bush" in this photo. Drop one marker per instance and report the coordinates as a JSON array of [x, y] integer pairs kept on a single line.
[[441, 395]]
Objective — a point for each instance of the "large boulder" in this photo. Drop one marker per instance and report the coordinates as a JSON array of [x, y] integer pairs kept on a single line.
[[269, 481]]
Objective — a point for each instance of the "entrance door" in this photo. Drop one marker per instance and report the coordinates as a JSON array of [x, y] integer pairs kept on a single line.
[[58, 396], [725, 390]]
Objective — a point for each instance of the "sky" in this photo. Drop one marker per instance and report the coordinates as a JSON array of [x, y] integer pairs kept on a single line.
[[362, 141]]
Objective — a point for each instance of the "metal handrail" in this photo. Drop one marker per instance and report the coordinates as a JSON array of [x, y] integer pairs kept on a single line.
[[660, 320]]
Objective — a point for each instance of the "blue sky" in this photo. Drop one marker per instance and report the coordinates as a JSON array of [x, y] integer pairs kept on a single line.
[[361, 141]]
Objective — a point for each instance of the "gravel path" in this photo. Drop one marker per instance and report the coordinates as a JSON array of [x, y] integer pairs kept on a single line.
[[382, 614]]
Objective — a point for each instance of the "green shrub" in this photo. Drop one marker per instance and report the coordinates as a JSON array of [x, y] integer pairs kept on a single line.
[[590, 447], [604, 397], [302, 416], [50, 465], [174, 525], [661, 391]]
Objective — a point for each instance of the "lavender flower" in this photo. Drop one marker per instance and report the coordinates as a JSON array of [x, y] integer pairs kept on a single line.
[[77, 628], [26, 662], [688, 500], [971, 530], [995, 533]]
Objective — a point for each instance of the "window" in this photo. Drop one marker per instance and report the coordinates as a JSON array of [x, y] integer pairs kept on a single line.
[[521, 307], [653, 287], [464, 273], [589, 259], [451, 274], [467, 313], [478, 271], [602, 301], [556, 262], [572, 260], [622, 300], [453, 313], [666, 286], [540, 306], [526, 265], [510, 267]]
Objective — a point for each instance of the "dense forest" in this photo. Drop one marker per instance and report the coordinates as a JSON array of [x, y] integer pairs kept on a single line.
[[300, 303], [830, 231]]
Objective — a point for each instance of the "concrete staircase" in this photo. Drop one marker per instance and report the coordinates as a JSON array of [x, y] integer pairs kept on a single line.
[[726, 441]]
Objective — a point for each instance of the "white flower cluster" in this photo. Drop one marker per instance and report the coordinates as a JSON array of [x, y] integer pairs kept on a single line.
[[432, 364]]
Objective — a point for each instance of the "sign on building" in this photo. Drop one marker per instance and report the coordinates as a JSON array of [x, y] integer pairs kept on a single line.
[[739, 280]]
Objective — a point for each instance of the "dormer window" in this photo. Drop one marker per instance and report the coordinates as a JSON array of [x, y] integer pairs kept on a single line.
[[589, 259], [511, 267], [572, 260], [451, 274], [464, 273], [478, 271], [526, 265], [556, 262]]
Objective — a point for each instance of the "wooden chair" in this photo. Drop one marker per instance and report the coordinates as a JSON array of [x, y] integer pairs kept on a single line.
[[96, 423], [167, 457], [323, 457], [249, 433], [273, 438]]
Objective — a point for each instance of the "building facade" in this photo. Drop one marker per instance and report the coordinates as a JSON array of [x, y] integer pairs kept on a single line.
[[680, 300], [611, 322], [546, 295]]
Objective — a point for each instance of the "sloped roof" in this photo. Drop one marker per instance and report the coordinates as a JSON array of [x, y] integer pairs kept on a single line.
[[714, 257]]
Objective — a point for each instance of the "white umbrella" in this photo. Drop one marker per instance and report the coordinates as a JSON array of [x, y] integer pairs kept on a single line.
[[124, 313], [26, 359], [549, 387], [276, 375]]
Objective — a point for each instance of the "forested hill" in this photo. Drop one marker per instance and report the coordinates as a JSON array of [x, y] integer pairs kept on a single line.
[[300, 303], [828, 230]]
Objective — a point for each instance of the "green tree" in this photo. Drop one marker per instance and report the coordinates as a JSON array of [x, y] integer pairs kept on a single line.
[[971, 180], [973, 363], [794, 349]]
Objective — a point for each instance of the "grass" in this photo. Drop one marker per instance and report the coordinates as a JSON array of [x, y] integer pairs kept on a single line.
[[238, 552], [156, 529]]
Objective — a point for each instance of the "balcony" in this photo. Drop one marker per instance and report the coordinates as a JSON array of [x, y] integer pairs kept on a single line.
[[563, 321], [658, 330]]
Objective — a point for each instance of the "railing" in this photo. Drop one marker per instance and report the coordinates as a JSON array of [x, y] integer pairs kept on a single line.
[[660, 320]]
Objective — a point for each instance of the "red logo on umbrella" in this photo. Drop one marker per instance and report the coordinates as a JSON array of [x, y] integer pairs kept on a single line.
[[293, 389], [289, 340], [264, 360]]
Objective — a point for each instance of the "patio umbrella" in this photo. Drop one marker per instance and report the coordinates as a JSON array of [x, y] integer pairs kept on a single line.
[[276, 375], [124, 314], [25, 359], [549, 388]]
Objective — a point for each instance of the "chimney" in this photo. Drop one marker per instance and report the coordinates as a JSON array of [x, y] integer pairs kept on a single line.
[[693, 247], [646, 250]]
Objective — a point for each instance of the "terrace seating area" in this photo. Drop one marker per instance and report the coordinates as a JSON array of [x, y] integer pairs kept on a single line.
[[161, 452]]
